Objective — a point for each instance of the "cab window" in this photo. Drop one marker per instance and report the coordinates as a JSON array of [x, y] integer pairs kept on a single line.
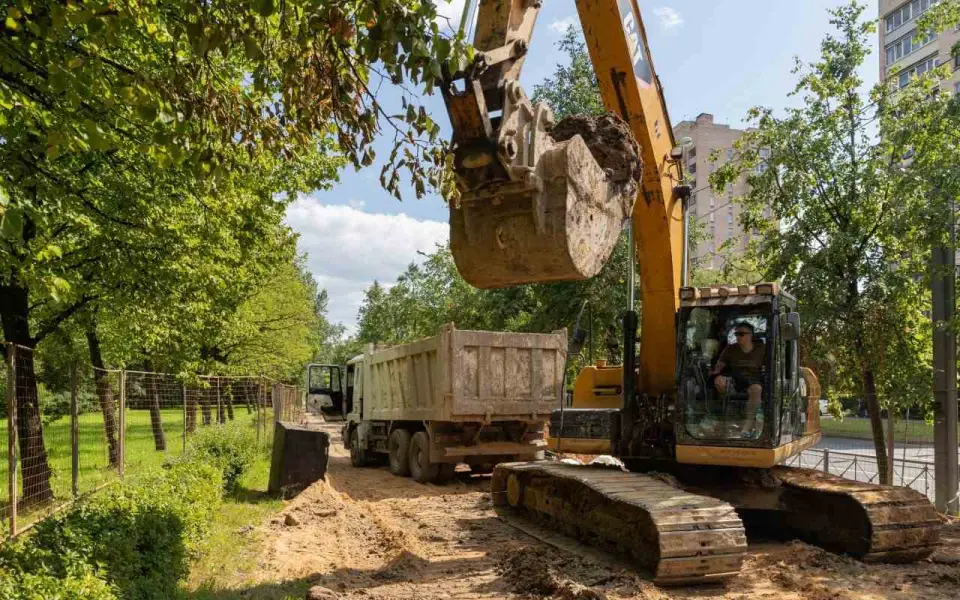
[[728, 344]]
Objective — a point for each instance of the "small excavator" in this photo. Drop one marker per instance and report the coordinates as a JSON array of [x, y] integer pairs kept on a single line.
[[545, 201]]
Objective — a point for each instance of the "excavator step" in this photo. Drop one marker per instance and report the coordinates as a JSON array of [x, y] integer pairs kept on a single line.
[[680, 537]]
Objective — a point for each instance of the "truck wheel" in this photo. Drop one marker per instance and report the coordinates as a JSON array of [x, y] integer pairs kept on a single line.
[[446, 472], [421, 469], [400, 452], [359, 457]]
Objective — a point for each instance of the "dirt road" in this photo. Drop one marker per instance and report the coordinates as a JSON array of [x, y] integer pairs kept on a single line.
[[365, 533]]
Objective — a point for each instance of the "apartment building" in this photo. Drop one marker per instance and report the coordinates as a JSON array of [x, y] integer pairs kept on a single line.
[[716, 213], [903, 53]]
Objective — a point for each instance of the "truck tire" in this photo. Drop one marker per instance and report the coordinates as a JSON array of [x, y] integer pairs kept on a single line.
[[399, 456], [359, 457], [421, 469]]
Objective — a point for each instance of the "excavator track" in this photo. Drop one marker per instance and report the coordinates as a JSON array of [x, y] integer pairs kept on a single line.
[[680, 537], [871, 522]]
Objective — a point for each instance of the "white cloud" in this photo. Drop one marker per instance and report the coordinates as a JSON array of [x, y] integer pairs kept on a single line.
[[669, 18], [449, 13], [348, 249], [356, 203], [561, 25]]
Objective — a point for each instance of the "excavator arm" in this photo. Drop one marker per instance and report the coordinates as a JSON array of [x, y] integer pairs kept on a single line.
[[536, 203]]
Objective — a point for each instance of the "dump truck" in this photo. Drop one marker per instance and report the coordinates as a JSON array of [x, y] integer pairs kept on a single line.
[[474, 397]]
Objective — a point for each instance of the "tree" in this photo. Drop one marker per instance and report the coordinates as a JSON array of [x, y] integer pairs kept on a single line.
[[101, 100], [850, 231]]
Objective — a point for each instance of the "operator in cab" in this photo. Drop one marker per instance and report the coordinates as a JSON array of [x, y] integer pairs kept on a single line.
[[740, 369]]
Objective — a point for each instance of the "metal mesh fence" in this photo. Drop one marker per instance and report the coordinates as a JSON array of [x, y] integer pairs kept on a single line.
[[73, 438]]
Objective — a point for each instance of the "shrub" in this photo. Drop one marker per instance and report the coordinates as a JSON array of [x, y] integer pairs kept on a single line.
[[141, 536], [19, 583], [231, 447], [28, 586]]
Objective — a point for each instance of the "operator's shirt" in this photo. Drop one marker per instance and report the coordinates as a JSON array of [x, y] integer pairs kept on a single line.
[[748, 365]]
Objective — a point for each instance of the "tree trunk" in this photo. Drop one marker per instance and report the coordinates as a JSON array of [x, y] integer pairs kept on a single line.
[[873, 408], [205, 406], [221, 407], [247, 387], [190, 422], [105, 394], [35, 471], [228, 399], [156, 424]]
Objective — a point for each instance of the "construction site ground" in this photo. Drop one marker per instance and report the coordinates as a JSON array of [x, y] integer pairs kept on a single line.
[[364, 533]]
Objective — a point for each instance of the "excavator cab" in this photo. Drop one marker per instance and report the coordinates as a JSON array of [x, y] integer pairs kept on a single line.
[[752, 419]]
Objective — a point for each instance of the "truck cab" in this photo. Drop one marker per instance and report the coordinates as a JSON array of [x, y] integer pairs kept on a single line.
[[325, 389]]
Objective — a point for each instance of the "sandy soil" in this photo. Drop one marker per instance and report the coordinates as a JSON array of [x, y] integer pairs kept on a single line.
[[365, 533]]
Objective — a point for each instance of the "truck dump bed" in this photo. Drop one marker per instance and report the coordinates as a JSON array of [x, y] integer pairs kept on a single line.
[[466, 376]]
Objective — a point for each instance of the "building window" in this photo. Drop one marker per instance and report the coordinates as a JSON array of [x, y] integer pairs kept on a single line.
[[956, 61], [907, 45], [907, 13], [918, 69], [956, 88], [693, 168], [712, 201], [729, 153], [764, 152]]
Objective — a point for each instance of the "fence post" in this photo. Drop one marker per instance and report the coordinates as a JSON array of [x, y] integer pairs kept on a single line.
[[259, 402], [184, 416], [74, 434], [891, 466], [122, 437], [274, 399], [12, 434], [826, 460]]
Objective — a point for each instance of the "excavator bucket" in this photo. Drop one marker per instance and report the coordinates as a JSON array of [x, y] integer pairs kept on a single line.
[[562, 227], [545, 202]]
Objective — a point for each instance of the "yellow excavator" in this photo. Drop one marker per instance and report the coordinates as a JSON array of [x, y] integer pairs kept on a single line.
[[546, 201]]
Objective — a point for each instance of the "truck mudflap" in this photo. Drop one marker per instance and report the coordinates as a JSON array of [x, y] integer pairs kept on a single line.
[[678, 536], [874, 523]]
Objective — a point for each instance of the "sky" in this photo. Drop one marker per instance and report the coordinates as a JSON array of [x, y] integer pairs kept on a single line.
[[713, 56]]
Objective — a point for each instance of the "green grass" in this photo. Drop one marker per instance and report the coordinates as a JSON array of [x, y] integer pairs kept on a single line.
[[904, 431], [140, 453], [225, 571]]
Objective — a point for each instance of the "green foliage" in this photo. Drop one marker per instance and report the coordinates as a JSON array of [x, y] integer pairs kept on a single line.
[[81, 583], [231, 448], [137, 537], [573, 89]]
